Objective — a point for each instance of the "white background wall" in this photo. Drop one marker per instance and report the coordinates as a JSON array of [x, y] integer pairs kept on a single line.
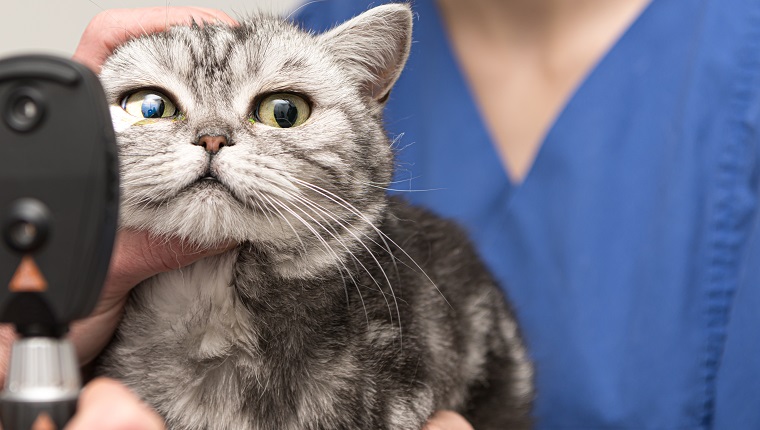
[[55, 26]]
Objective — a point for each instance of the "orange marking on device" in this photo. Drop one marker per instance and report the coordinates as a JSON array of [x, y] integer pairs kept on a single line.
[[28, 277], [43, 422]]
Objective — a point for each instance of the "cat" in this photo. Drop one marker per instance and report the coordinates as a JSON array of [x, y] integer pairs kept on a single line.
[[342, 307]]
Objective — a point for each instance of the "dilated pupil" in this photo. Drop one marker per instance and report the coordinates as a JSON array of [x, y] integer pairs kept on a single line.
[[153, 106], [285, 113]]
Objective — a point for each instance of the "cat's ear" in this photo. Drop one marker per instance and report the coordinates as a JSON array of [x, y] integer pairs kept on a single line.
[[374, 46]]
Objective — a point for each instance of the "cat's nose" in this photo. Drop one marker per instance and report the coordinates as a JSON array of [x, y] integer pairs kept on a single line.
[[212, 144]]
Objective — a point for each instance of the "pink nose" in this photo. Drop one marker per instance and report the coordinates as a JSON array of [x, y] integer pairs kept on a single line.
[[212, 144]]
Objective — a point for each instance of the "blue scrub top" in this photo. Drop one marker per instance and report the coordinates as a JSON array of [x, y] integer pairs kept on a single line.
[[632, 248]]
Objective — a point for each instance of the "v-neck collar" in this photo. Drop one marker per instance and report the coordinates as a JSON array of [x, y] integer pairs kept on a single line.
[[492, 162]]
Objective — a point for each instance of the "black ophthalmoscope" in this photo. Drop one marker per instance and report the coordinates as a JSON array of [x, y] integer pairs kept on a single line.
[[58, 209]]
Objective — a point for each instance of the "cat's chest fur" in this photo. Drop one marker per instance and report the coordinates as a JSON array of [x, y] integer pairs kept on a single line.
[[198, 354], [181, 317], [229, 343], [196, 305]]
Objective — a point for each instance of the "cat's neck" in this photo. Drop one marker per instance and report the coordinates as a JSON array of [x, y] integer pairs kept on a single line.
[[219, 299]]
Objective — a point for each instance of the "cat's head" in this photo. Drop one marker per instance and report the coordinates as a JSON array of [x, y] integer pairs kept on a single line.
[[261, 132]]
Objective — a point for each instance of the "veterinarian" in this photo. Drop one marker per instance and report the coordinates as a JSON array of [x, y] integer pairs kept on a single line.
[[605, 157], [106, 404]]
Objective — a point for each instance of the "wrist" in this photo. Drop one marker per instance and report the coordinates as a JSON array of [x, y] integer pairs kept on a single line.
[[7, 337], [91, 335]]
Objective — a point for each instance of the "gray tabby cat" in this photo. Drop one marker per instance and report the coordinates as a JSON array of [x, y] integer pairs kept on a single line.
[[341, 308]]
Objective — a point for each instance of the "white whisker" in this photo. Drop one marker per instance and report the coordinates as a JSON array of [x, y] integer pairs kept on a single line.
[[284, 218], [350, 207], [348, 250], [340, 260]]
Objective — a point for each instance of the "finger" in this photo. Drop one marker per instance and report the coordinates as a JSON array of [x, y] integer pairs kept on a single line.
[[108, 405], [139, 255], [156, 19], [213, 15], [447, 420], [111, 28]]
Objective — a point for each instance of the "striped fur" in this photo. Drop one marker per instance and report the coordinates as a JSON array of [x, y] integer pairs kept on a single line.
[[341, 308]]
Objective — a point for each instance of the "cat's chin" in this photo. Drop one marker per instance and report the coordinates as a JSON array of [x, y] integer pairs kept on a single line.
[[205, 214]]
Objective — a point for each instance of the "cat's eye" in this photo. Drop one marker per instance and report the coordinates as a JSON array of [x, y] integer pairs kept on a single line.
[[149, 104], [282, 110]]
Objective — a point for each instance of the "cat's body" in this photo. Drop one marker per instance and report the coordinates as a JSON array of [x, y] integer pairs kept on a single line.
[[341, 308]]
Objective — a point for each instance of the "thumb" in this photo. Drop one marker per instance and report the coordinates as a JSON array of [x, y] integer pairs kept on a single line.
[[447, 420], [107, 405]]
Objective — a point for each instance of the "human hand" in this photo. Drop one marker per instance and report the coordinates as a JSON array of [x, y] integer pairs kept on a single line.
[[107, 405], [447, 420], [111, 28]]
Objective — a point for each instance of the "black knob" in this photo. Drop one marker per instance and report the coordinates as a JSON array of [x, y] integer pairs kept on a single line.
[[27, 225], [24, 110]]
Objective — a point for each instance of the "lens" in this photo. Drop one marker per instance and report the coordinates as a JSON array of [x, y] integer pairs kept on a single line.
[[24, 109], [23, 234], [27, 225]]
